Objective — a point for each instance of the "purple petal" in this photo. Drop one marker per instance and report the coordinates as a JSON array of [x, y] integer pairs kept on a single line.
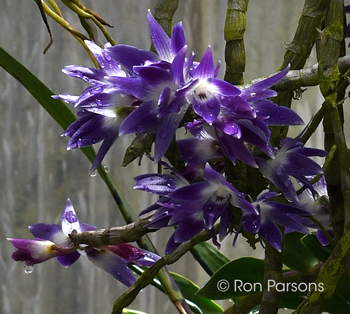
[[297, 164], [271, 233], [178, 40], [45, 231], [207, 106], [141, 119], [277, 174], [69, 219], [165, 133], [224, 88], [69, 259], [276, 115], [192, 192], [161, 41], [322, 237], [109, 65], [91, 132], [154, 76], [113, 264], [32, 251], [109, 140], [205, 69], [134, 255], [89, 75], [171, 245], [187, 229], [270, 81], [197, 151], [212, 210], [157, 183], [129, 56], [235, 148]]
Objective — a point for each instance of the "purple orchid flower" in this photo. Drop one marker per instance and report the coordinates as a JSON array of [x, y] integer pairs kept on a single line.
[[100, 104], [292, 159], [273, 213], [197, 206], [52, 240]]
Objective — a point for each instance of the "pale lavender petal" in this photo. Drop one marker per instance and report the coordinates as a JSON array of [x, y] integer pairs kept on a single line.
[[157, 183], [107, 64], [89, 75], [69, 219]]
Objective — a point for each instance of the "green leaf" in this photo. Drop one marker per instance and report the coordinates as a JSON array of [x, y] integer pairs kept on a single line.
[[316, 248], [209, 257], [235, 279], [56, 108], [296, 256], [199, 305]]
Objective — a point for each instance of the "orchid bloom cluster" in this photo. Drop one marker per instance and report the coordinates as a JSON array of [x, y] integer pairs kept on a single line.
[[52, 240], [139, 91]]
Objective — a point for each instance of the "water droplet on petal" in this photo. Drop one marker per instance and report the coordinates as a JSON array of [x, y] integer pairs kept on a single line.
[[28, 269], [93, 173], [140, 128], [252, 94], [163, 135], [107, 57]]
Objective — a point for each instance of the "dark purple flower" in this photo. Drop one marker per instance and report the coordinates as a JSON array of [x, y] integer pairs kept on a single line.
[[273, 213], [292, 159], [197, 206]]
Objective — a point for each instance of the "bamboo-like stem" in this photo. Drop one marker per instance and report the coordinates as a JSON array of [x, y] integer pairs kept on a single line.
[[163, 12], [298, 51], [329, 49], [235, 26]]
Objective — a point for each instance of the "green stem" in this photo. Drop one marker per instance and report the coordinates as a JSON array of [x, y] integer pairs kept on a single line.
[[146, 278], [298, 51], [235, 26], [163, 12]]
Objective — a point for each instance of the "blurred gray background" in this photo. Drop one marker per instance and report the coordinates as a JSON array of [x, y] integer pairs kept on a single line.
[[37, 174]]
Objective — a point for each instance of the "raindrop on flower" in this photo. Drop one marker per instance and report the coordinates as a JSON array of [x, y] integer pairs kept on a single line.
[[93, 173], [28, 269], [140, 128]]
